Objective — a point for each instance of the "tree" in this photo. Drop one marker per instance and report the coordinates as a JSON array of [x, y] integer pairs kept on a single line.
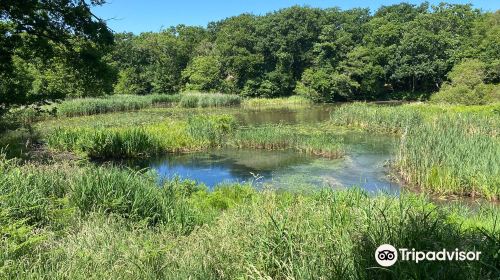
[[236, 47], [466, 85], [203, 74], [427, 47], [326, 85], [44, 30]]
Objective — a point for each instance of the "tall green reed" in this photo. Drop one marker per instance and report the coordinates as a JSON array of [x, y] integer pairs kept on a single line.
[[203, 100], [114, 103]]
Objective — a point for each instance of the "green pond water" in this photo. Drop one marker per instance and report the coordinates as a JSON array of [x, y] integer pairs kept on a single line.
[[364, 165]]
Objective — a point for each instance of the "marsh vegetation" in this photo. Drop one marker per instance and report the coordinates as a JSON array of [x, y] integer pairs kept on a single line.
[[249, 149]]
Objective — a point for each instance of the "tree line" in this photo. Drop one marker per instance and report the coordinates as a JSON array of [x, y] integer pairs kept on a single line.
[[398, 51]]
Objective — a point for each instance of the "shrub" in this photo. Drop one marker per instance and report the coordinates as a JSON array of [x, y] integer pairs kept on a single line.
[[467, 86]]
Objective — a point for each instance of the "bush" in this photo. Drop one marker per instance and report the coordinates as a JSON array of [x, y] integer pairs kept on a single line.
[[326, 85], [467, 86]]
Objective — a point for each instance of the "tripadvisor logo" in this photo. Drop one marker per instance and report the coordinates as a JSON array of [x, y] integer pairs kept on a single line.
[[386, 255]]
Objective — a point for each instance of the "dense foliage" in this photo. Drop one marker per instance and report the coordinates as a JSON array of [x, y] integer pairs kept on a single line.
[[52, 49], [57, 49], [400, 51]]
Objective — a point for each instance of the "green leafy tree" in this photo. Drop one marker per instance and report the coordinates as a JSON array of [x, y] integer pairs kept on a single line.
[[326, 85], [427, 47], [61, 33], [466, 85], [203, 74]]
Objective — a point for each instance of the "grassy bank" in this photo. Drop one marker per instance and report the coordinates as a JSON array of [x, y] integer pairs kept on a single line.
[[446, 150], [64, 221]]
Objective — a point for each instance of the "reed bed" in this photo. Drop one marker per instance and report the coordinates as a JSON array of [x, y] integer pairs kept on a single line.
[[199, 132], [78, 222], [102, 143], [456, 154], [204, 100], [275, 103], [443, 150], [275, 137], [376, 118], [115, 103]]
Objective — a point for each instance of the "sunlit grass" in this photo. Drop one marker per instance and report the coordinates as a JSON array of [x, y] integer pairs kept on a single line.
[[115, 103], [270, 103], [199, 132], [276, 137], [453, 155], [68, 221], [446, 150], [203, 100]]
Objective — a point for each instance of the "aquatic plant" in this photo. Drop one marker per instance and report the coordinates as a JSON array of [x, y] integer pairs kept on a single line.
[[105, 143], [210, 130], [272, 137], [445, 150], [392, 119], [200, 132], [453, 155], [114, 103], [203, 100], [273, 103]]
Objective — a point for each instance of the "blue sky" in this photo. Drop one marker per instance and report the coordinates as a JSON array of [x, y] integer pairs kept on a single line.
[[153, 15]]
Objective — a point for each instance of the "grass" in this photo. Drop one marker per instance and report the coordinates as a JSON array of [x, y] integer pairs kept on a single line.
[[445, 150], [115, 103], [278, 137], [75, 222], [455, 155], [275, 103], [199, 132], [105, 143], [389, 119], [203, 100]]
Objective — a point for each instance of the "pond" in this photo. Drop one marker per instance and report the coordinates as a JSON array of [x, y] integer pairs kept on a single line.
[[312, 114], [364, 166]]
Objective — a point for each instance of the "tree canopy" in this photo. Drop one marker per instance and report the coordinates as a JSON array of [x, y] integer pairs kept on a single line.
[[59, 48], [52, 48]]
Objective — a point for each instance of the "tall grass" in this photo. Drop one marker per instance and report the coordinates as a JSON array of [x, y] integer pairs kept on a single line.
[[105, 143], [268, 235], [443, 150], [199, 132], [203, 100], [274, 137], [210, 130], [456, 154], [115, 103], [392, 119], [272, 103]]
